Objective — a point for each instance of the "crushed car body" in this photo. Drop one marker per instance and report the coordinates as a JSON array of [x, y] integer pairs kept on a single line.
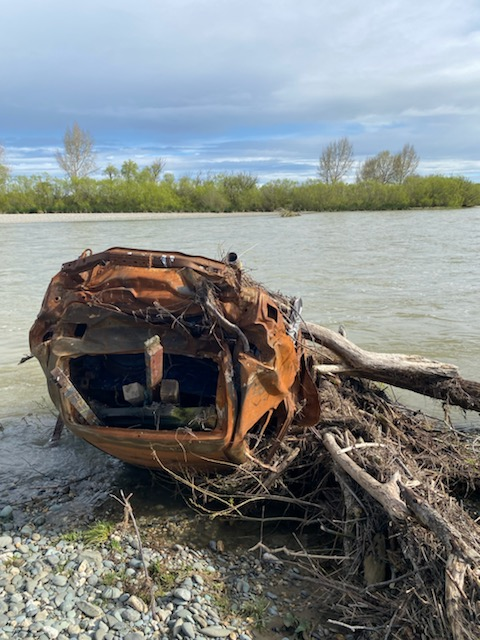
[[166, 359]]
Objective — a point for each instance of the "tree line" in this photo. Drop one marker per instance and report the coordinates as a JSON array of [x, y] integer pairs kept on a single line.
[[385, 181]]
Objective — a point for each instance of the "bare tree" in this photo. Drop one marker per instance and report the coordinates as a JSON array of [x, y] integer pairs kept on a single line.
[[78, 159], [389, 168], [405, 163], [336, 161]]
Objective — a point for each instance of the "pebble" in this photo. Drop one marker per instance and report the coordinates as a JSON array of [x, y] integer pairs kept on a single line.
[[216, 632], [182, 594], [89, 609], [6, 513]]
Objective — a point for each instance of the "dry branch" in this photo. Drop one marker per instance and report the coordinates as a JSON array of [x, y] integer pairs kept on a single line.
[[386, 494]]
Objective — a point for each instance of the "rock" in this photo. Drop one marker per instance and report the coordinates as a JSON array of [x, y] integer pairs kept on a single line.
[[188, 630], [6, 513], [138, 604], [59, 580], [5, 541], [91, 557], [215, 631], [89, 609], [53, 559], [111, 593], [131, 615], [269, 557], [182, 594], [177, 627]]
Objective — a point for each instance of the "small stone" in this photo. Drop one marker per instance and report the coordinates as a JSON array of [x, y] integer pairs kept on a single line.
[[270, 558], [188, 630], [101, 631], [89, 609], [59, 580], [73, 629], [163, 614], [26, 530], [5, 541], [138, 604], [31, 609], [177, 627], [215, 631], [200, 620], [16, 598], [183, 613], [24, 549], [131, 615], [6, 513], [111, 593], [182, 594]]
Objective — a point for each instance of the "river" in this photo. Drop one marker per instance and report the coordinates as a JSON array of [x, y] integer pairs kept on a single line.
[[398, 282]]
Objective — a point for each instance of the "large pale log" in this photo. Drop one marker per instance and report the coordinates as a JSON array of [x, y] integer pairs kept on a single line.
[[428, 377]]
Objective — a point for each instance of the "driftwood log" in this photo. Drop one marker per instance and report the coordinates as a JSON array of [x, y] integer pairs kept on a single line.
[[428, 377], [385, 486]]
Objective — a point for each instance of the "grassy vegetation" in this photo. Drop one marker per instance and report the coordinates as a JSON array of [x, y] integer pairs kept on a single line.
[[142, 192], [97, 534]]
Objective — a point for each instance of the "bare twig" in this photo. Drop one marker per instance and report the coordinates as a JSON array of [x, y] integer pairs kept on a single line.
[[129, 515]]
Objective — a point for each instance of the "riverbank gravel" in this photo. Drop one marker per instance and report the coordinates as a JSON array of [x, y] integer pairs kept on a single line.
[[56, 586]]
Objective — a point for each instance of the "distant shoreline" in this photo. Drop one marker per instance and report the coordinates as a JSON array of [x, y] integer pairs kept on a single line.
[[97, 217], [151, 215]]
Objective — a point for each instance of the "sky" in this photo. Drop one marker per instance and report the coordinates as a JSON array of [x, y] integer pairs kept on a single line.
[[258, 86]]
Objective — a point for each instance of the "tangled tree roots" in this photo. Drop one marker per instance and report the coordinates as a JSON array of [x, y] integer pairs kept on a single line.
[[383, 483]]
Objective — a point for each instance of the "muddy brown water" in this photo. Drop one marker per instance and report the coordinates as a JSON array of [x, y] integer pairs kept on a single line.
[[398, 281]]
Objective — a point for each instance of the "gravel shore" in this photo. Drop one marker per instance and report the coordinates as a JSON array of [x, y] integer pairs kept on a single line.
[[91, 585]]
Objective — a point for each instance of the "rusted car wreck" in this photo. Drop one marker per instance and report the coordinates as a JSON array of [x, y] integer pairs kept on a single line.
[[165, 358]]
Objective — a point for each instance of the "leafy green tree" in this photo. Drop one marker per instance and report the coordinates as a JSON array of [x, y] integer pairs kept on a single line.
[[129, 170], [78, 159], [111, 172], [336, 161], [239, 189], [278, 194]]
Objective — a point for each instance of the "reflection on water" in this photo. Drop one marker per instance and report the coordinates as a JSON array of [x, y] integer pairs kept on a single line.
[[398, 281]]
